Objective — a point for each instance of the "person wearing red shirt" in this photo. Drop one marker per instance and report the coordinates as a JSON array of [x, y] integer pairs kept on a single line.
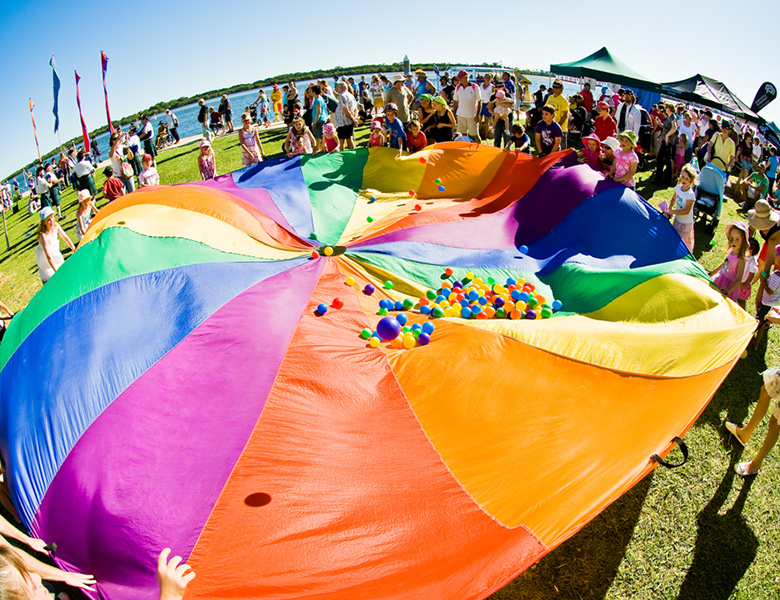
[[113, 187], [587, 99], [604, 125], [415, 139]]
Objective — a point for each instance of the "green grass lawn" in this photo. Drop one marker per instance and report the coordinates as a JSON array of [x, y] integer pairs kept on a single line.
[[698, 532]]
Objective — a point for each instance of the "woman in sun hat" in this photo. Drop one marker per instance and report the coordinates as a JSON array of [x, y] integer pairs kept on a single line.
[[444, 125], [766, 221]]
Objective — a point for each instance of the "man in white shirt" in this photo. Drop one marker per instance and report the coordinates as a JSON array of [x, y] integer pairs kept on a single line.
[[467, 106], [627, 114], [172, 122], [345, 116]]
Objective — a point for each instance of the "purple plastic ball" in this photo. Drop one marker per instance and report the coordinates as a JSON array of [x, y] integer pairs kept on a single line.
[[423, 339], [368, 290], [388, 328]]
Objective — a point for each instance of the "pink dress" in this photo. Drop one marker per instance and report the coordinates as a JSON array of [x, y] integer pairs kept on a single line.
[[592, 159], [679, 157], [727, 274], [623, 162]]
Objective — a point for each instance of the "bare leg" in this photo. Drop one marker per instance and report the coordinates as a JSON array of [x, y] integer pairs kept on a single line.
[[762, 406], [754, 466]]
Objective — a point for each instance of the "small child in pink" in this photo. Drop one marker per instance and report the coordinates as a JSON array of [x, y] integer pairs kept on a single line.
[[751, 268], [330, 138], [591, 152], [626, 160], [679, 154], [377, 138], [728, 277]]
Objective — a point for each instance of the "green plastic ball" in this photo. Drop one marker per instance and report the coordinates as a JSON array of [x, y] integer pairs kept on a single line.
[[366, 333]]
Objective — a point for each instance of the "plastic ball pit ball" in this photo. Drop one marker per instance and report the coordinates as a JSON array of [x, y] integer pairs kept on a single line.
[[322, 309], [369, 289], [388, 328]]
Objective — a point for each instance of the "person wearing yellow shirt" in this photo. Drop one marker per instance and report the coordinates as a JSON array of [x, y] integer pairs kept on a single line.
[[561, 105], [276, 102]]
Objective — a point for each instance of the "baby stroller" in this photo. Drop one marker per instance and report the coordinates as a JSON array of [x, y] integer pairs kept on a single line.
[[709, 195], [215, 123], [163, 137]]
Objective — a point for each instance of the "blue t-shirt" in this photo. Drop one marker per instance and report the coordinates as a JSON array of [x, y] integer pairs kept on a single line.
[[323, 110], [519, 142], [395, 131], [509, 85], [772, 163], [548, 134]]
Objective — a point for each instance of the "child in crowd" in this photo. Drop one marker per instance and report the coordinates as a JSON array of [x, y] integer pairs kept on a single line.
[[330, 137], [502, 108], [770, 392], [251, 146], [730, 275], [396, 136], [679, 154], [608, 147], [149, 175], [207, 161], [751, 269], [590, 153], [415, 139], [604, 125], [520, 139], [84, 212], [682, 205], [263, 109], [626, 160], [377, 138], [47, 254], [769, 299], [300, 139], [113, 186]]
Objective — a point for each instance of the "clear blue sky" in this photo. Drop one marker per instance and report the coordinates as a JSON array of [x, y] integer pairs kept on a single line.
[[165, 50]]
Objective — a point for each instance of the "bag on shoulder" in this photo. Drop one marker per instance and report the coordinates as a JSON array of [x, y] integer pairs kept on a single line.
[[126, 169], [331, 103]]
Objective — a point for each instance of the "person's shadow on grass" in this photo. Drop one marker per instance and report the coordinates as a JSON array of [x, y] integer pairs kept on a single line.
[[725, 545], [585, 565]]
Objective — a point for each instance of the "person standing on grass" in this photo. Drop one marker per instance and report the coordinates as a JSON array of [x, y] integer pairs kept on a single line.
[[251, 147], [467, 106], [207, 161], [345, 116], [172, 121], [319, 115], [203, 119], [587, 100], [401, 96], [768, 401], [561, 106], [147, 136], [47, 254], [226, 110]]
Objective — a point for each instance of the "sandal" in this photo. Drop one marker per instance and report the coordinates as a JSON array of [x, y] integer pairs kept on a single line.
[[742, 469], [732, 429]]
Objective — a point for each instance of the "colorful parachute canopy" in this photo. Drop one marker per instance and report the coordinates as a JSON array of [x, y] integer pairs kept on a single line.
[[173, 384]]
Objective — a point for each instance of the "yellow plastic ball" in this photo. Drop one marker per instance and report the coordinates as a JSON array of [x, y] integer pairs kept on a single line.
[[328, 251], [469, 275], [350, 281], [373, 342], [520, 282], [409, 342], [449, 311], [478, 281], [520, 305]]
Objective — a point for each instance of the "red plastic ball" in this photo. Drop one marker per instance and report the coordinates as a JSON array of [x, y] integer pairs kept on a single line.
[[448, 272], [337, 303], [422, 159], [417, 207], [315, 254], [411, 192]]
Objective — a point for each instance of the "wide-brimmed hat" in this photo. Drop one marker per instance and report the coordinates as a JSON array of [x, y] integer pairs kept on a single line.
[[46, 212], [611, 143], [419, 72], [741, 225], [398, 78], [593, 137], [762, 217], [629, 135], [84, 195]]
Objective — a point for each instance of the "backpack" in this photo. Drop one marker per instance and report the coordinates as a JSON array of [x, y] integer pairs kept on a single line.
[[331, 103]]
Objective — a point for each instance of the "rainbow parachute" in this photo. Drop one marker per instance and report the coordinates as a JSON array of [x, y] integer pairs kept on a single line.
[[175, 385]]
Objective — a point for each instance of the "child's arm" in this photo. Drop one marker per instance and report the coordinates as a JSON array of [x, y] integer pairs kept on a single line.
[[538, 143], [687, 207], [65, 237], [738, 277], [524, 147], [259, 144]]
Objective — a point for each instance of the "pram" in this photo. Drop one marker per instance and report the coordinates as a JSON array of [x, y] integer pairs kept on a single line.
[[163, 137], [709, 195], [215, 123]]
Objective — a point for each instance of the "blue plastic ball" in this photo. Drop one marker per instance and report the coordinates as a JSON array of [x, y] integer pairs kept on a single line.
[[424, 339], [475, 309], [482, 300], [416, 326], [428, 327], [557, 305], [439, 299], [322, 309], [425, 310], [373, 199], [398, 305], [464, 302], [402, 319], [441, 188], [511, 281], [515, 295], [473, 295], [523, 249], [376, 335], [388, 328], [465, 312], [383, 303], [524, 297]]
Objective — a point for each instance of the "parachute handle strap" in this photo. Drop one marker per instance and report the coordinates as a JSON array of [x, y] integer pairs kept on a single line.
[[683, 449]]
